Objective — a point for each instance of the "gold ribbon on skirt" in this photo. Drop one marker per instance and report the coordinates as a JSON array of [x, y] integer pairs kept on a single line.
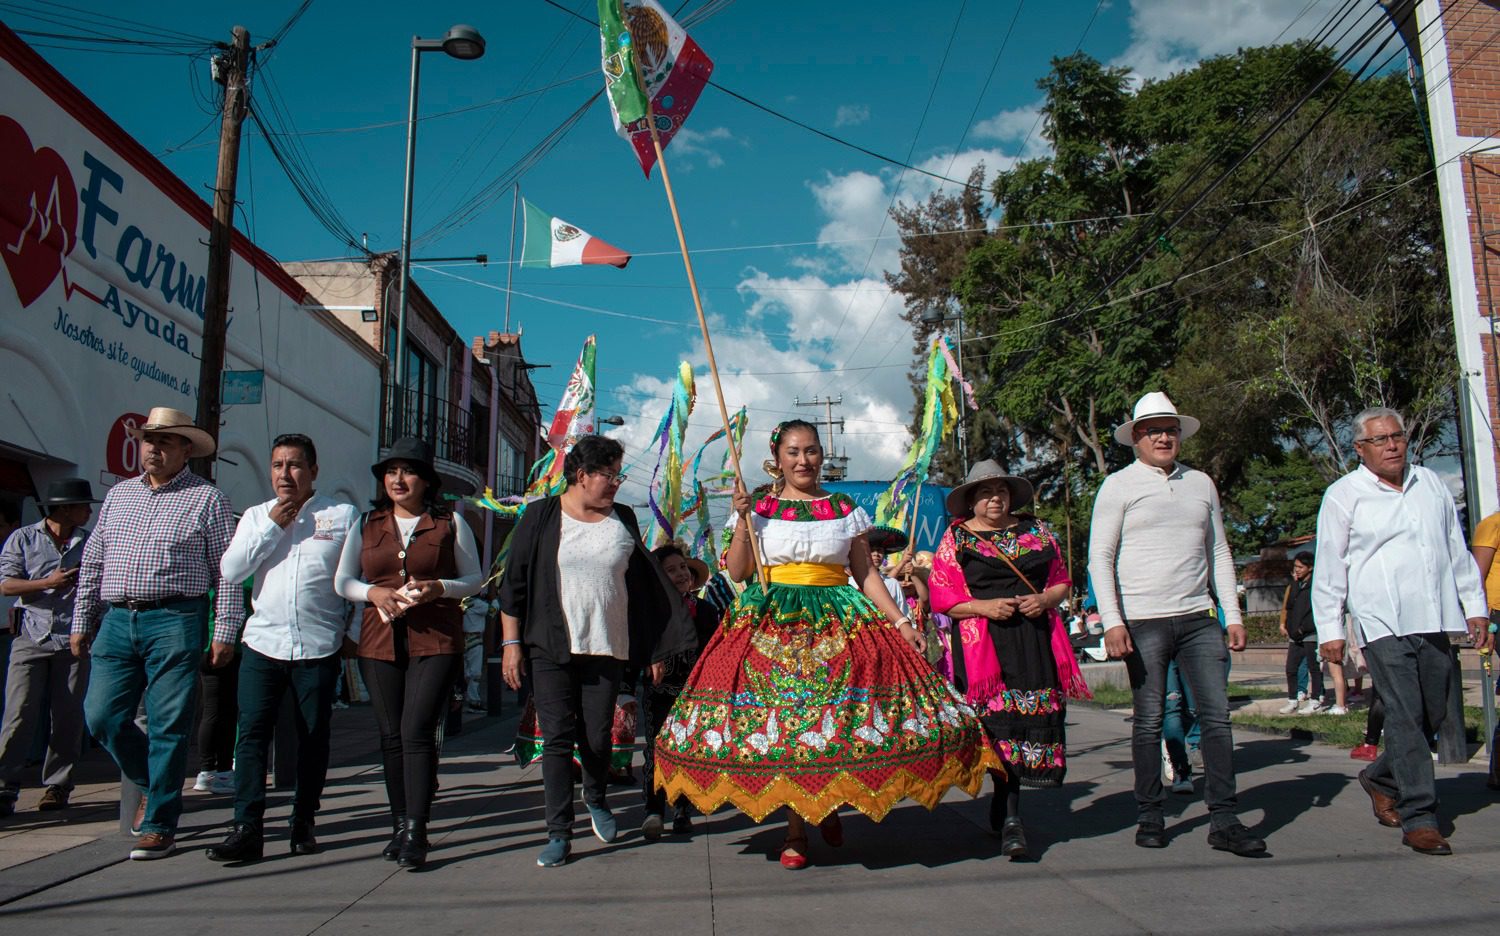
[[807, 573]]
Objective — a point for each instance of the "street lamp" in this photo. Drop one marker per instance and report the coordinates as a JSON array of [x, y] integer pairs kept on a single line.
[[465, 44], [934, 317], [612, 420]]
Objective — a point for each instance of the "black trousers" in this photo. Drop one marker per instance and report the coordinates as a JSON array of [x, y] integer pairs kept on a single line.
[[1298, 652], [574, 702], [410, 698], [263, 682], [216, 725], [655, 706]]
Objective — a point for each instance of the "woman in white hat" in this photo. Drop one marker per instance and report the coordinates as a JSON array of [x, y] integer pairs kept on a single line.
[[1001, 575]]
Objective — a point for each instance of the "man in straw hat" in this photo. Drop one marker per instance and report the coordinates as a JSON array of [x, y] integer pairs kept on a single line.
[[39, 564], [1160, 562], [147, 572]]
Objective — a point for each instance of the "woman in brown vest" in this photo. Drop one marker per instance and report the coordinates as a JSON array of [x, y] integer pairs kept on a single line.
[[409, 561]]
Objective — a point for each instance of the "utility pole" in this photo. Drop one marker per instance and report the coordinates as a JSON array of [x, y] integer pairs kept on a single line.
[[233, 66], [835, 466]]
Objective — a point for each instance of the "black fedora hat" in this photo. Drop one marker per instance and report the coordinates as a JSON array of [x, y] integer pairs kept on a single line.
[[414, 452], [66, 491], [887, 538]]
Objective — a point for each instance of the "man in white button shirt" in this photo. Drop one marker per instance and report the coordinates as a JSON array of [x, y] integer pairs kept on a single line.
[[291, 546], [1159, 561], [1391, 551]]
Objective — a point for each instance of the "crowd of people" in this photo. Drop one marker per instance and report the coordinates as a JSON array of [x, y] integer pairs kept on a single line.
[[824, 667]]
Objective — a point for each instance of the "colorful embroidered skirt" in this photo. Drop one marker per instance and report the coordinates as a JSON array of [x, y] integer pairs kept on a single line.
[[807, 698], [622, 736]]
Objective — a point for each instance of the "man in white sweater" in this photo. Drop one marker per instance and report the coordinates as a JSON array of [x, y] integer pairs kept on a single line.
[[1160, 563], [1390, 549]]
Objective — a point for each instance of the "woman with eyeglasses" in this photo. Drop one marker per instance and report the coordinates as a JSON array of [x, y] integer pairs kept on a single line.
[[410, 562], [582, 601]]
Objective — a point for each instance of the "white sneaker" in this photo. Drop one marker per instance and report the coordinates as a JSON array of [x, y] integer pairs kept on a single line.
[[204, 783], [222, 782], [1337, 710], [1311, 707], [1289, 708]]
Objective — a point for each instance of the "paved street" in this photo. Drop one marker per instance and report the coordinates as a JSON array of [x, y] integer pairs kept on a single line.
[[1331, 869]]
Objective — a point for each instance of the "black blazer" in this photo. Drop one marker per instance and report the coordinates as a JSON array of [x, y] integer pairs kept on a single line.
[[660, 626]]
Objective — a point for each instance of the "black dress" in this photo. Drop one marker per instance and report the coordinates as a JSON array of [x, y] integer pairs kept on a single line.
[[1028, 719]]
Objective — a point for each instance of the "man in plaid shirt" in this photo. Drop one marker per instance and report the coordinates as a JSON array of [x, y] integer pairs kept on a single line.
[[148, 569]]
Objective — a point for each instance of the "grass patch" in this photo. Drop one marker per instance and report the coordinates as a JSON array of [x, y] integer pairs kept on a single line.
[[1345, 731], [1119, 697]]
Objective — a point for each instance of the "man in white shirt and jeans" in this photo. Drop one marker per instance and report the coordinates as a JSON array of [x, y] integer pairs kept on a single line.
[[1390, 549], [291, 546], [1160, 562]]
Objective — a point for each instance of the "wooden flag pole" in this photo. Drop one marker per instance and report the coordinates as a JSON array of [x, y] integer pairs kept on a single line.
[[708, 345]]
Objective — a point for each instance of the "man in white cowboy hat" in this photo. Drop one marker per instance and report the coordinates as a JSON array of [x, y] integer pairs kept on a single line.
[[39, 564], [143, 586], [1160, 562]]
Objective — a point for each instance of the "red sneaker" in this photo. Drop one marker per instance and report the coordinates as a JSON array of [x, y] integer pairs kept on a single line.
[[1365, 752]]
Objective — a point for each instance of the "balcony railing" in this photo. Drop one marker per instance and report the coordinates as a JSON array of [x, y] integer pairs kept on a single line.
[[410, 412], [509, 485]]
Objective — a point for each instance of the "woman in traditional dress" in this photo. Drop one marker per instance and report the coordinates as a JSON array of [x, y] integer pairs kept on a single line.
[[812, 694], [1000, 575]]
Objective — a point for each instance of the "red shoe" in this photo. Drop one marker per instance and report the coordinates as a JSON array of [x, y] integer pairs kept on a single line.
[[1365, 752], [797, 861], [832, 830]]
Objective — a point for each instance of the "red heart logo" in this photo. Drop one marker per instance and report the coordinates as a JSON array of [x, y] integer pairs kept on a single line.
[[38, 212]]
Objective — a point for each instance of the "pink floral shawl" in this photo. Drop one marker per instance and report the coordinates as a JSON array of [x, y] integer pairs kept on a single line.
[[948, 588]]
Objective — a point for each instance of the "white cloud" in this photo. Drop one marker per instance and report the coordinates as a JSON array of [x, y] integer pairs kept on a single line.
[[1168, 36], [706, 145], [1019, 127], [850, 115]]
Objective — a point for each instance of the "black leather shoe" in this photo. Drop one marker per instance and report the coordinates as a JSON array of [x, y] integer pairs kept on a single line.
[[1013, 839], [1238, 839], [303, 840], [392, 849], [244, 843], [414, 845], [1151, 835]]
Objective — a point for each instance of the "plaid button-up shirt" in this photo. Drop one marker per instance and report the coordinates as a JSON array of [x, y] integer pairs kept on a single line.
[[156, 543]]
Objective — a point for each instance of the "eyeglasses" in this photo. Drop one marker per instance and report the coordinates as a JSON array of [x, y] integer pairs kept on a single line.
[[1381, 441], [1156, 432], [611, 478]]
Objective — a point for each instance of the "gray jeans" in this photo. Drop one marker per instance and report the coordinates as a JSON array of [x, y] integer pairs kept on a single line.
[[1413, 674], [38, 672]]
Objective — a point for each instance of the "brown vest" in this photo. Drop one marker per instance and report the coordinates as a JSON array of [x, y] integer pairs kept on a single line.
[[430, 629]]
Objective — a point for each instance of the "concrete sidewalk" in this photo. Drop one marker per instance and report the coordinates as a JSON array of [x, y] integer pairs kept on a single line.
[[1331, 868]]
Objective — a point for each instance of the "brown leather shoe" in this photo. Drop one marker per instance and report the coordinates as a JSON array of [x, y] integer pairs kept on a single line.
[[1426, 840], [53, 798], [1384, 806]]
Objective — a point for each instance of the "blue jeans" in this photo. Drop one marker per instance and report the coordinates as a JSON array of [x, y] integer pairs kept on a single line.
[[1179, 720], [152, 654], [1197, 645]]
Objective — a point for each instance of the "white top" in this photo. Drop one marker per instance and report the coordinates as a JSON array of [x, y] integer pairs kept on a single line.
[[406, 526], [825, 541], [1395, 558], [591, 563], [465, 555], [296, 613], [1156, 544], [475, 616]]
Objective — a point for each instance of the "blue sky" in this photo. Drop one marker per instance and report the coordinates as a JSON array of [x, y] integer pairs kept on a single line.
[[810, 317]]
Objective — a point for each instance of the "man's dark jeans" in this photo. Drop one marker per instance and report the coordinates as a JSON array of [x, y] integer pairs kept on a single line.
[[1197, 644], [574, 702], [1414, 674], [263, 681]]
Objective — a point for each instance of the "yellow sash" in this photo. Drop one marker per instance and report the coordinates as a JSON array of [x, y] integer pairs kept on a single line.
[[808, 573]]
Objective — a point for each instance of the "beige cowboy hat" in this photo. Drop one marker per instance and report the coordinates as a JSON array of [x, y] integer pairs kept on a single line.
[[700, 570], [1153, 406], [1021, 491], [176, 422]]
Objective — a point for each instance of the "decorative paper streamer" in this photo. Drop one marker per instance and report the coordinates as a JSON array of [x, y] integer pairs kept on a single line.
[[939, 413], [958, 374], [665, 499]]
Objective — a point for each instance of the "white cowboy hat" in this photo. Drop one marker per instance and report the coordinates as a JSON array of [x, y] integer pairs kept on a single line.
[[176, 422], [1151, 406]]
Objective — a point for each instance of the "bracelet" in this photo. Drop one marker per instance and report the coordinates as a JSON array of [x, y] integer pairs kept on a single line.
[[904, 620], [510, 643], [1494, 628]]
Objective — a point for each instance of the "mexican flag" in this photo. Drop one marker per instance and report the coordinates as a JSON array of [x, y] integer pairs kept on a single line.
[[575, 413], [553, 242], [647, 55]]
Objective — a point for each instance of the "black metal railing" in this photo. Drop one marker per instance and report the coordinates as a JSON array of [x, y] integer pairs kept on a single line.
[[409, 412], [509, 485]]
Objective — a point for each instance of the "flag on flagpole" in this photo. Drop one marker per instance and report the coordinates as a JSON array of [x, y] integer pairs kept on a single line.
[[574, 418], [550, 241], [672, 72], [666, 499], [939, 414]]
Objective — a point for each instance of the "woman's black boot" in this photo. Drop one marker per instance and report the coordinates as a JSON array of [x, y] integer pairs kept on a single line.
[[414, 846], [392, 848]]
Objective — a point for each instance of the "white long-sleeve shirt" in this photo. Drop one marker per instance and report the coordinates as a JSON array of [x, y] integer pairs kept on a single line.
[[297, 614], [347, 581], [1155, 544], [1395, 558]]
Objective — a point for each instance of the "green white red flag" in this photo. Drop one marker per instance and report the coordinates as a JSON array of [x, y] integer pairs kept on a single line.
[[575, 413], [646, 55], [550, 241]]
